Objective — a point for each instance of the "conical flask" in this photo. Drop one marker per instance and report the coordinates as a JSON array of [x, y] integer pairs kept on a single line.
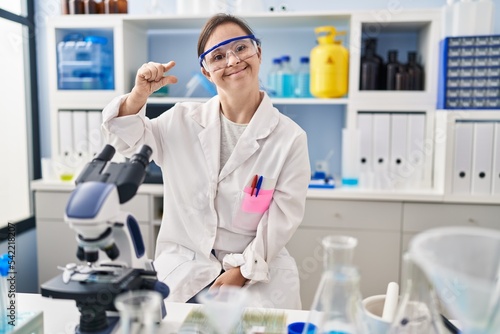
[[418, 311], [337, 308]]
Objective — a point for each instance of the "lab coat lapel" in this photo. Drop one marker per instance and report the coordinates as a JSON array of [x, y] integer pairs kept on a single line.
[[208, 117], [263, 122]]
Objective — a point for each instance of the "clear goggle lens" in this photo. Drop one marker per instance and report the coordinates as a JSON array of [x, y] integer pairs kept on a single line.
[[217, 57]]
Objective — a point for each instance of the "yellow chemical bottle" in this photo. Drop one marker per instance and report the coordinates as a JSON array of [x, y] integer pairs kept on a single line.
[[329, 65]]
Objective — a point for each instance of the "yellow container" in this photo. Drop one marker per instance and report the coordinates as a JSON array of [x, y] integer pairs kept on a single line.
[[329, 65]]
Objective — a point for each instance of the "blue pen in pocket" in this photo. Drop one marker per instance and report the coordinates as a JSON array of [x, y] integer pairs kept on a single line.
[[259, 184]]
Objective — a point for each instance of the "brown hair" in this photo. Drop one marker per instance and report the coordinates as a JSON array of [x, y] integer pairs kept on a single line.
[[214, 22]]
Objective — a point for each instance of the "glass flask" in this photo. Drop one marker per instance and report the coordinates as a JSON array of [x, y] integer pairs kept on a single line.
[[418, 311], [337, 308]]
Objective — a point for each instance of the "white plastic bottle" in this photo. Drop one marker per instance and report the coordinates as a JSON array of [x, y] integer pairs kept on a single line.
[[285, 85], [302, 79], [272, 78]]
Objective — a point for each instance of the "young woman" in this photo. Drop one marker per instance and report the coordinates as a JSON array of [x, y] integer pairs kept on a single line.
[[235, 172]]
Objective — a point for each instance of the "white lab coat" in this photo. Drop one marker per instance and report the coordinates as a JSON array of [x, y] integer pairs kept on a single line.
[[207, 208]]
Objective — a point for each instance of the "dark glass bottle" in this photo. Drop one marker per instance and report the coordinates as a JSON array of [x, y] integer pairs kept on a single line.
[[393, 67], [371, 67], [402, 79], [76, 7], [415, 72]]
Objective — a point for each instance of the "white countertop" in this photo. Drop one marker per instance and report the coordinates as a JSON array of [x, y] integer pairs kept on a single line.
[[61, 316]]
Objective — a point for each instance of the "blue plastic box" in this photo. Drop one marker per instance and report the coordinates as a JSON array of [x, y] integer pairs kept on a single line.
[[85, 63], [469, 72]]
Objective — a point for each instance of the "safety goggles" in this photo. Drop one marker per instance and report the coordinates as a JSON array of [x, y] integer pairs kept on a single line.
[[217, 57]]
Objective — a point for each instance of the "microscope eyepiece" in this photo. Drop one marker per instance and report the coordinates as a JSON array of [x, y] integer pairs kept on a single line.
[[106, 154], [142, 156]]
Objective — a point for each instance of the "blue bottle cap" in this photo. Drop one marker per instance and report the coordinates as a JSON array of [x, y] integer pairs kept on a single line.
[[277, 61], [285, 58], [4, 265], [304, 60], [96, 39]]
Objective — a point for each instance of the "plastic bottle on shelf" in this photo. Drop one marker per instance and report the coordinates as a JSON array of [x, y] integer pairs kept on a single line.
[[393, 67], [337, 303], [329, 65], [371, 77], [302, 79], [415, 72], [285, 85], [272, 77]]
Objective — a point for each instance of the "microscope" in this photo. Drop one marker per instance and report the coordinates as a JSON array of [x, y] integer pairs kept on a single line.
[[103, 230]]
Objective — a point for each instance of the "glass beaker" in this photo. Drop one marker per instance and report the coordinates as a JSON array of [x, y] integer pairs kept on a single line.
[[337, 304], [140, 311], [418, 311], [224, 306]]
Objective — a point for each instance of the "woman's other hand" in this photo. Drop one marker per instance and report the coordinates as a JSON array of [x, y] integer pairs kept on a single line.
[[149, 78], [232, 276]]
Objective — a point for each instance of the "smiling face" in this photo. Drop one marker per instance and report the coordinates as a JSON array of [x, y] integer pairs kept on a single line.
[[238, 75]]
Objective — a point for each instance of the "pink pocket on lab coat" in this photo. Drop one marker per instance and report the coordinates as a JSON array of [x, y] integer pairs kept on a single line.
[[256, 204]]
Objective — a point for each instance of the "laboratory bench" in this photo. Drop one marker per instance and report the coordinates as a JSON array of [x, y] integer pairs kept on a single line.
[[383, 222], [61, 316]]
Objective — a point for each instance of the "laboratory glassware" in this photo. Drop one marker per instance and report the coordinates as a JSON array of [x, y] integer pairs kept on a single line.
[[371, 67], [418, 310], [392, 68], [140, 311], [415, 72], [463, 264], [224, 306], [337, 304]]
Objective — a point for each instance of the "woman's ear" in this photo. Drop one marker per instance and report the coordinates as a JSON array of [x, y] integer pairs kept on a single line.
[[259, 52], [206, 74]]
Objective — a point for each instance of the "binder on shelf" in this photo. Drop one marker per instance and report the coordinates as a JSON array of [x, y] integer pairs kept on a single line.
[[95, 140], [381, 147], [65, 128], [496, 161], [398, 172], [462, 158], [365, 126], [80, 137], [482, 160], [416, 150]]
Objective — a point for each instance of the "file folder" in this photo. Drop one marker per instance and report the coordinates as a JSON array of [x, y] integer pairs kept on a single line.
[[496, 161], [415, 149], [65, 129], [462, 158], [95, 140], [381, 146], [397, 164], [80, 137], [482, 160], [365, 126]]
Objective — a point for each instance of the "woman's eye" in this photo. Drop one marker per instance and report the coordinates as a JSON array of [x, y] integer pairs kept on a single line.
[[241, 48], [217, 58]]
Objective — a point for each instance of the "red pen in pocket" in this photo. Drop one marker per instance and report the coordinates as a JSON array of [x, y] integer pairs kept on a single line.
[[254, 184]]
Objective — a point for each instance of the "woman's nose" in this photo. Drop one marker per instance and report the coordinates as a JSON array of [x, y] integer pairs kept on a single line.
[[231, 60]]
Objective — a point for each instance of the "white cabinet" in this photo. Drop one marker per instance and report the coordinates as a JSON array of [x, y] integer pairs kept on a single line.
[[56, 242], [376, 225]]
